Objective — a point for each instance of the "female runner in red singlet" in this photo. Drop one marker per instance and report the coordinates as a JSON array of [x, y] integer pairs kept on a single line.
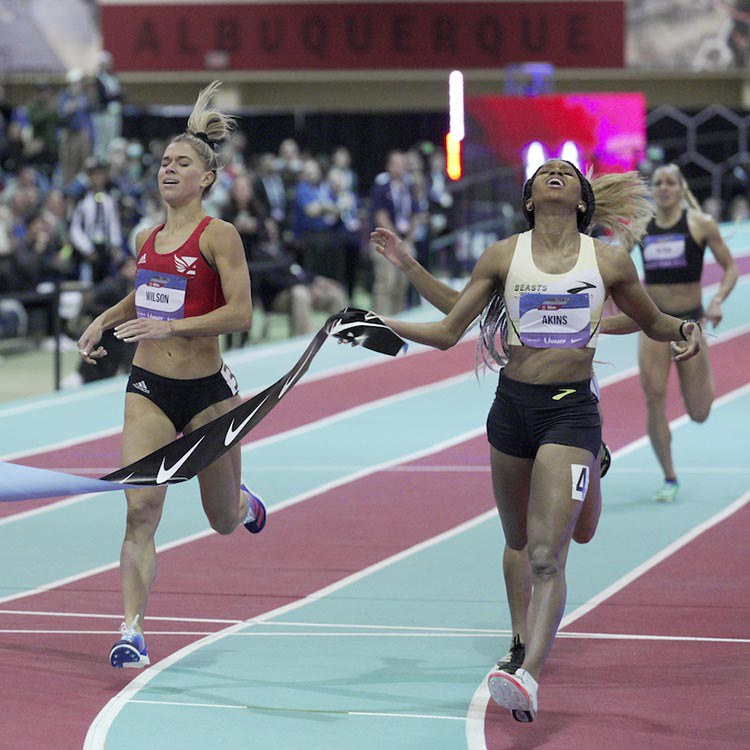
[[192, 285]]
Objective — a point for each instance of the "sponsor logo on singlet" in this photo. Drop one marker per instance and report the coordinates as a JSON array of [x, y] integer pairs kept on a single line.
[[530, 288], [184, 264], [584, 286]]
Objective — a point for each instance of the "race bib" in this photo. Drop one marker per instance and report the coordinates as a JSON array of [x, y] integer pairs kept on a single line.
[[555, 321], [159, 295], [664, 251]]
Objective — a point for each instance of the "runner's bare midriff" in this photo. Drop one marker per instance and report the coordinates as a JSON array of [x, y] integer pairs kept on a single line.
[[180, 357], [545, 366], [675, 298]]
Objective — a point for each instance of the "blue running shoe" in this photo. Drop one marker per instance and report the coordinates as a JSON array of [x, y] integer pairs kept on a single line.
[[255, 519], [130, 651]]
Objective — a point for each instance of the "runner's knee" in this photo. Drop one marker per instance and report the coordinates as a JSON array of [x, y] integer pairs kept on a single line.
[[699, 414], [545, 563], [142, 520], [656, 398], [223, 524], [584, 534]]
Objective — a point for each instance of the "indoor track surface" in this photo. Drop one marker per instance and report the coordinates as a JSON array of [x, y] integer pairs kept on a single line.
[[369, 611]]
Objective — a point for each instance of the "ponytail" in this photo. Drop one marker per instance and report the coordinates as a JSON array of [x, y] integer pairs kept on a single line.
[[207, 127]]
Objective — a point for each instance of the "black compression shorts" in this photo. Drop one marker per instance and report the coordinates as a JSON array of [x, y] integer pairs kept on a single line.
[[525, 416]]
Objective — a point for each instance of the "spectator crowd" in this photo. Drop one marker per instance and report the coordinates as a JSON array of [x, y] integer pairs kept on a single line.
[[74, 193]]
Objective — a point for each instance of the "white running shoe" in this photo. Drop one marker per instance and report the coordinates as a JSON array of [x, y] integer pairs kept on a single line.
[[130, 651], [668, 492], [516, 692]]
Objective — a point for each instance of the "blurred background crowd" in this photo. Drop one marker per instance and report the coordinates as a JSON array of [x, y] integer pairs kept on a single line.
[[74, 193]]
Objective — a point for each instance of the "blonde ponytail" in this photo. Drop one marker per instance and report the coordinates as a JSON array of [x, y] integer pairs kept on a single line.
[[207, 127], [623, 206]]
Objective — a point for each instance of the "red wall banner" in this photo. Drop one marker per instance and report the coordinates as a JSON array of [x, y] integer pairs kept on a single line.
[[362, 36]]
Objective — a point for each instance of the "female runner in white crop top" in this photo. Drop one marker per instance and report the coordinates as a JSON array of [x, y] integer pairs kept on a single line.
[[539, 485]]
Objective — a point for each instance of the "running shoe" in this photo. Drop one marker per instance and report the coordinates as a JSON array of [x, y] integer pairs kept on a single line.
[[255, 519], [514, 658], [516, 692], [130, 651], [606, 459], [668, 492]]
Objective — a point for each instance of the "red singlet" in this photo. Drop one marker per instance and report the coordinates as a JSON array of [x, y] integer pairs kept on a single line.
[[179, 284]]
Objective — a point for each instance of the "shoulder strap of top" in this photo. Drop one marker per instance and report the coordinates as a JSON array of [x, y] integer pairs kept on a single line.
[[523, 243], [149, 243], [587, 247], [198, 231]]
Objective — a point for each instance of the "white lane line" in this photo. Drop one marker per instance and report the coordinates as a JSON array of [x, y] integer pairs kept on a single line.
[[21, 631], [475, 739], [698, 470], [97, 734], [320, 489], [284, 709], [59, 504], [647, 637], [99, 616], [360, 634], [357, 629], [653, 561], [681, 421]]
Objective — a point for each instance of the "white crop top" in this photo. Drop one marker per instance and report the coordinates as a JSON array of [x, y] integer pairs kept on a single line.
[[554, 310]]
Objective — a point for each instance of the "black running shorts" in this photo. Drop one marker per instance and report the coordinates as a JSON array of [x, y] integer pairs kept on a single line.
[[525, 416], [181, 400]]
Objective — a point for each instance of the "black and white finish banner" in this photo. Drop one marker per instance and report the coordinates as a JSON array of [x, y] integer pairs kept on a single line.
[[187, 456]]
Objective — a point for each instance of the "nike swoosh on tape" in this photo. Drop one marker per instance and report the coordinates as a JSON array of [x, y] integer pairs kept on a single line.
[[164, 474], [232, 432]]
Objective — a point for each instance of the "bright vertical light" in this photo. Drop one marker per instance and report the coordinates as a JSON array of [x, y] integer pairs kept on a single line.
[[456, 130], [456, 104], [535, 157], [570, 153], [453, 157]]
